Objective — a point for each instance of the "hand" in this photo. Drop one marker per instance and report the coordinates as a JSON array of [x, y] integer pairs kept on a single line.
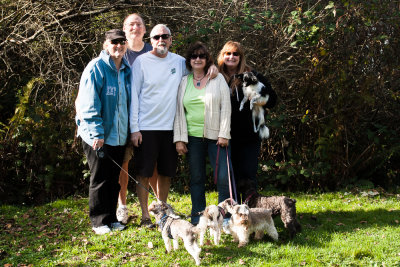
[[181, 148], [212, 72], [136, 138], [223, 142], [259, 100], [97, 143]]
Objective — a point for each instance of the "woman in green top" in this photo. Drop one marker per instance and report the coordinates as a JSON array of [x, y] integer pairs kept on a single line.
[[202, 123]]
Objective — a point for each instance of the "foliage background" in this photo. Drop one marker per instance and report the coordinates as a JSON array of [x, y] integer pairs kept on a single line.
[[334, 65]]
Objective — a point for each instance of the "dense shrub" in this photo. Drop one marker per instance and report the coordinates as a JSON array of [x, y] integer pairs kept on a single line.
[[334, 65]]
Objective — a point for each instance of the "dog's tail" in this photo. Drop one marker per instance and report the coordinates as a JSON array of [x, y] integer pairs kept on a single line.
[[264, 132]]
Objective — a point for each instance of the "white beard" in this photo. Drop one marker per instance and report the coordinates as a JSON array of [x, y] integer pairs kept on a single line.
[[162, 50]]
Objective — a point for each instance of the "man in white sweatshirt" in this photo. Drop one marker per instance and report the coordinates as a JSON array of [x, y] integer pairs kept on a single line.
[[155, 80]]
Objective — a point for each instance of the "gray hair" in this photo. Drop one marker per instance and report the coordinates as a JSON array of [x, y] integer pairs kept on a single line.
[[159, 26]]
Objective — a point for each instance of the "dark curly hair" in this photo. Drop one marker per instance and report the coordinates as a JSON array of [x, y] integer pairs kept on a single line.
[[196, 48]]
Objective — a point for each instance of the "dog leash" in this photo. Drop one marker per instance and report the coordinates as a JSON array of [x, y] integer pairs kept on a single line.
[[231, 182], [101, 154]]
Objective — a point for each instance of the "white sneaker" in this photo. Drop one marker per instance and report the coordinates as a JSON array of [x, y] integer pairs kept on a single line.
[[117, 226], [101, 230], [122, 214]]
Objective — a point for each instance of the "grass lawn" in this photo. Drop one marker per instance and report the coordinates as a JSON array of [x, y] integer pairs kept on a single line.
[[339, 229]]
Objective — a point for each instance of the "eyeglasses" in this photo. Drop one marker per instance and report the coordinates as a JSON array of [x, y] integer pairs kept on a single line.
[[201, 56], [163, 36], [232, 53], [118, 41]]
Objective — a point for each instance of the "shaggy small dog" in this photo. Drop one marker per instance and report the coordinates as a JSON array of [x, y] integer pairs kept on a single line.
[[212, 219], [174, 228], [245, 221], [255, 91], [279, 205]]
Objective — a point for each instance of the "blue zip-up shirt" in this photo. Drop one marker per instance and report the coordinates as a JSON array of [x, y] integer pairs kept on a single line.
[[103, 101]]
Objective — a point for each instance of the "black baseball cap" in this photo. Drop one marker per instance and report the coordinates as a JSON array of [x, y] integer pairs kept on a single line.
[[115, 34]]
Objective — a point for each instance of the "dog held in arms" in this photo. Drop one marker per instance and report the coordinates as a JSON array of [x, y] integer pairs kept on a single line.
[[212, 218], [280, 205], [254, 91], [172, 227], [245, 221]]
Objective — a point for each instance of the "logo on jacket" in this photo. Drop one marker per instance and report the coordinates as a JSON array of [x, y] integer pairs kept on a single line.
[[173, 71], [111, 90]]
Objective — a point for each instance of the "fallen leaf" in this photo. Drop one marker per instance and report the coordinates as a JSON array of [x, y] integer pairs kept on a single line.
[[208, 243], [25, 216], [396, 221], [340, 224], [363, 222], [241, 262], [228, 258], [150, 244], [8, 225]]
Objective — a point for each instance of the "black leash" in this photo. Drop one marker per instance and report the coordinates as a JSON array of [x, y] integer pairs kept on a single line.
[[102, 154]]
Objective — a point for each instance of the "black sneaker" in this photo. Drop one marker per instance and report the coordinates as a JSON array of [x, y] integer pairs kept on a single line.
[[147, 223]]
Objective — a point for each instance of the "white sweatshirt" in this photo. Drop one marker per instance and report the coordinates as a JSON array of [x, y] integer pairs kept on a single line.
[[155, 83]]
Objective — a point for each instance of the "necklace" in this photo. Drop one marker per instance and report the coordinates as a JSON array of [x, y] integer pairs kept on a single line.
[[198, 80]]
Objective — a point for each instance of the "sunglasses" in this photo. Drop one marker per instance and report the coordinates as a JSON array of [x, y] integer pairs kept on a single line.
[[118, 41], [232, 53], [163, 36], [201, 56]]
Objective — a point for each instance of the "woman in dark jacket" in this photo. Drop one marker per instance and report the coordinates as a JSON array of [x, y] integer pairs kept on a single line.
[[245, 143]]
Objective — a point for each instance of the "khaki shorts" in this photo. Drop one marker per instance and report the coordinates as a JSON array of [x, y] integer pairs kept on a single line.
[[128, 153]]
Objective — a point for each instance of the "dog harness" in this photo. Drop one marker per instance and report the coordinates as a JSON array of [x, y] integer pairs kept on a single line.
[[162, 223]]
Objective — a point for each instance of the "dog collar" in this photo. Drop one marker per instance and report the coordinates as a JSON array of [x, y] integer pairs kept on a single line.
[[222, 211]]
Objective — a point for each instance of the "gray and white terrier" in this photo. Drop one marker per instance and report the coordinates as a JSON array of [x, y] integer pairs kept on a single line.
[[245, 221], [282, 206], [172, 227], [212, 219]]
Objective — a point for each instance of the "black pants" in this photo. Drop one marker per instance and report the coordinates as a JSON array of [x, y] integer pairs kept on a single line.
[[245, 165], [104, 184]]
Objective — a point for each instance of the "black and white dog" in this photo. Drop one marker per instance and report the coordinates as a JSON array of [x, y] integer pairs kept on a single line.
[[254, 90]]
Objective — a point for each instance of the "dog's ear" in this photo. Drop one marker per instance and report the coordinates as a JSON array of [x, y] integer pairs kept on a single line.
[[239, 76]]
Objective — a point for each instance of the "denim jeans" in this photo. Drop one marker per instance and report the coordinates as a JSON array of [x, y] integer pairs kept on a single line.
[[198, 149]]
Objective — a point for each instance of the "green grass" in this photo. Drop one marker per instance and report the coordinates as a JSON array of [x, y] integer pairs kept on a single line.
[[339, 229]]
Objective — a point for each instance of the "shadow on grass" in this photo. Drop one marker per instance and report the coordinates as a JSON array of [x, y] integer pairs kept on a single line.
[[322, 225]]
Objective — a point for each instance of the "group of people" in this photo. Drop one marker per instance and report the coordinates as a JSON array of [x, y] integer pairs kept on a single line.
[[143, 100]]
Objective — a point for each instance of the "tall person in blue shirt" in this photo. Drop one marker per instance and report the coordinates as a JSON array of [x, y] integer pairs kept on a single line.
[[134, 28], [102, 118]]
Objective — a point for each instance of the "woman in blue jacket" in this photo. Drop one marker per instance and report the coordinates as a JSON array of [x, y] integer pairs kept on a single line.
[[102, 118]]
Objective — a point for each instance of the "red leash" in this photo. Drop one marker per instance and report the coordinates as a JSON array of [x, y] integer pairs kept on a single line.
[[229, 171]]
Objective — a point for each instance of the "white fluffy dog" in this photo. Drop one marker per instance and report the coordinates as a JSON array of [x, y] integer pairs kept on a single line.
[[212, 219]]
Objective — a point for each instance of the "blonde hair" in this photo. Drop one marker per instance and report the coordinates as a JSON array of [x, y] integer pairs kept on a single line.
[[231, 46]]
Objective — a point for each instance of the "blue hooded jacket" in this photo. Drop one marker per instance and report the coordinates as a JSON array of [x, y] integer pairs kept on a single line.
[[101, 111]]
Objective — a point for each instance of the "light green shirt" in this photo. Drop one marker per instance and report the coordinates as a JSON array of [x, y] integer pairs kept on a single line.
[[193, 102]]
